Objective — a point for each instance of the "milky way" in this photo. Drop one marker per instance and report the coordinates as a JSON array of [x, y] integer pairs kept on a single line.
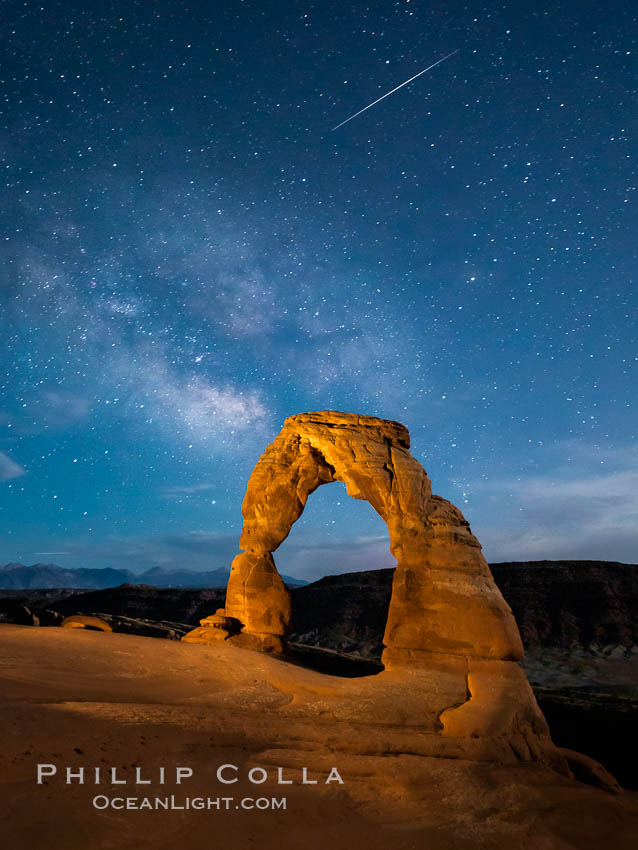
[[190, 256]]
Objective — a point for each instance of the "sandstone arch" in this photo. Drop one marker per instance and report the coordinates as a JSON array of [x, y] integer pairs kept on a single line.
[[451, 641], [444, 599]]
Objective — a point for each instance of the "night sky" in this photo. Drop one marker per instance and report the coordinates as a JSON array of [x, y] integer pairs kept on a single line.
[[191, 254]]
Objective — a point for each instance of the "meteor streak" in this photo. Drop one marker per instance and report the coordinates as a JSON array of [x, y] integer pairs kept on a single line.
[[429, 68]]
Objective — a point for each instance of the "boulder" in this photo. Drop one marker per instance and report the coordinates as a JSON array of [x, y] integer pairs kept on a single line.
[[49, 617], [214, 628], [81, 621], [24, 616]]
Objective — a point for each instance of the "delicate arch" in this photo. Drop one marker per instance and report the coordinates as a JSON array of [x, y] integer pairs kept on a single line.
[[444, 599], [447, 620]]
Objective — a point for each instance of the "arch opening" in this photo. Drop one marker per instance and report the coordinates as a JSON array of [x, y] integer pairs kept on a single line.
[[335, 534], [338, 620]]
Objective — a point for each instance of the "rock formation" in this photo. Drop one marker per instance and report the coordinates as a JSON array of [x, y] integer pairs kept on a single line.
[[444, 599], [80, 621], [447, 622]]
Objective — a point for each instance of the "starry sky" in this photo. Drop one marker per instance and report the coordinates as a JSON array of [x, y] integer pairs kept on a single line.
[[191, 254]]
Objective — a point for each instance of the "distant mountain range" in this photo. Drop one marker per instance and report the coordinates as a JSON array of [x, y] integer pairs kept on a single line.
[[43, 576]]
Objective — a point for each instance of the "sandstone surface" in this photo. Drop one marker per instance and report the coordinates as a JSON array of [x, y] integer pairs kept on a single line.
[[75, 698], [587, 689]]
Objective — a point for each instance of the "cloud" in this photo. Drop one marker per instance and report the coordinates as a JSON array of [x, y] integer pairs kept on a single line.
[[194, 550], [331, 557], [186, 490], [51, 553], [62, 409], [9, 469], [563, 515], [49, 409]]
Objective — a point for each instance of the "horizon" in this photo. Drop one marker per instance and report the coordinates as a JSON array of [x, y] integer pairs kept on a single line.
[[226, 570]]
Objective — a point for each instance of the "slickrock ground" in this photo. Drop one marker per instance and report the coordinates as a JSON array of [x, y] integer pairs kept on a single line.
[[579, 624], [572, 615], [74, 698]]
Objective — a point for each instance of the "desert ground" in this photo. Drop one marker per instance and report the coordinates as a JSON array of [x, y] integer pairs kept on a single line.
[[77, 698]]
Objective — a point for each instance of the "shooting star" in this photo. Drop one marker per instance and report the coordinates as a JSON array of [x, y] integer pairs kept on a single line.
[[429, 68]]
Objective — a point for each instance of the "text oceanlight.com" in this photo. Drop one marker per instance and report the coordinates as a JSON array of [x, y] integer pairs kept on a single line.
[[171, 803]]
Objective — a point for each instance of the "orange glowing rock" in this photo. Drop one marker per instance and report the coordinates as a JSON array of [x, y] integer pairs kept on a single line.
[[80, 621], [444, 598], [450, 636]]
